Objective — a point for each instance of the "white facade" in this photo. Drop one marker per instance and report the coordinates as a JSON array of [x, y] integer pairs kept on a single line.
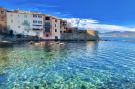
[[25, 23], [33, 24]]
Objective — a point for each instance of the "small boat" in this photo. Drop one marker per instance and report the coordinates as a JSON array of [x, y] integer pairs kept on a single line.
[[57, 42], [51, 43], [37, 44], [31, 42], [3, 43], [61, 43]]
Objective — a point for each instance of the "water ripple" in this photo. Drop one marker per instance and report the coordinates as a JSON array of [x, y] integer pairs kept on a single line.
[[77, 65]]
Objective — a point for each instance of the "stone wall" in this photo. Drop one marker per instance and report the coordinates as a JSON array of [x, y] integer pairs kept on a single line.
[[83, 36]]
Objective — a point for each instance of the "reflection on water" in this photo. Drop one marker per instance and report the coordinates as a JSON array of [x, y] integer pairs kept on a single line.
[[72, 65]]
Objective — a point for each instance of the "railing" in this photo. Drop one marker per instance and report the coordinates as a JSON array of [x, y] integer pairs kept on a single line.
[[37, 29]]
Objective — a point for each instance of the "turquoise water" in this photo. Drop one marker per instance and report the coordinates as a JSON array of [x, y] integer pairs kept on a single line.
[[75, 65], [118, 38]]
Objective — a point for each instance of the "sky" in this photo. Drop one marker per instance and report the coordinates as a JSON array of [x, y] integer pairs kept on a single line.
[[102, 15]]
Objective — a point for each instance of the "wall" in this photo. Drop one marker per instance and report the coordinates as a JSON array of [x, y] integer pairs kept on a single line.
[[57, 27], [38, 26], [3, 20], [23, 24], [15, 22], [63, 26], [47, 28], [54, 25], [88, 35]]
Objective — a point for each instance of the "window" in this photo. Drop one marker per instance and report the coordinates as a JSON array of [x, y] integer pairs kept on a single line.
[[2, 12], [11, 21], [47, 24], [40, 22], [25, 16], [34, 21], [0, 25], [56, 20], [26, 23], [47, 35], [47, 18], [55, 30], [56, 37], [47, 29], [55, 25], [18, 26], [39, 16], [37, 25], [37, 33], [34, 15], [2, 18]]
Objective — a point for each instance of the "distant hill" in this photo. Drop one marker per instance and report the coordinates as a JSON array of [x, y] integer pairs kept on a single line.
[[118, 34]]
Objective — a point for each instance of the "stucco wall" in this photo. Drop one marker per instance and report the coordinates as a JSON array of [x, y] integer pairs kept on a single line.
[[15, 22], [3, 20]]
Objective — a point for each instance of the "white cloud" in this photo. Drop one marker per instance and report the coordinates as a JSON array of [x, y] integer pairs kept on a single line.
[[96, 25]]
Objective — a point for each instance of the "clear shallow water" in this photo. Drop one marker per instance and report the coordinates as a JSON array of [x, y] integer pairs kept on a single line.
[[82, 65]]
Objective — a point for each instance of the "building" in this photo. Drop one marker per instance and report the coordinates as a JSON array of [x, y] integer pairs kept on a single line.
[[25, 23], [34, 24], [63, 25], [3, 20], [77, 34], [30, 24], [51, 27]]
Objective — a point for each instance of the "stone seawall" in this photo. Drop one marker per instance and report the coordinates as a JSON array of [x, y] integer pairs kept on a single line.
[[84, 36], [88, 35]]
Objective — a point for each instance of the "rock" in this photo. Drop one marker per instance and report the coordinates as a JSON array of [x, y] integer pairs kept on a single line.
[[31, 42], [36, 87]]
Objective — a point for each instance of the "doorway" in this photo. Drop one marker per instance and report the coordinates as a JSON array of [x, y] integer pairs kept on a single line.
[[56, 38]]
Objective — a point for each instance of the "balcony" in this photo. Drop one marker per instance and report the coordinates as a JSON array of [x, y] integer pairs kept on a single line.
[[47, 24], [37, 29], [47, 18], [47, 29]]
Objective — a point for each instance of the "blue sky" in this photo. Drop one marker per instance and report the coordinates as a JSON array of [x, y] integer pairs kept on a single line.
[[106, 12]]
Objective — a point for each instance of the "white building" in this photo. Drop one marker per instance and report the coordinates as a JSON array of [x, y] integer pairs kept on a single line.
[[25, 23], [34, 24]]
